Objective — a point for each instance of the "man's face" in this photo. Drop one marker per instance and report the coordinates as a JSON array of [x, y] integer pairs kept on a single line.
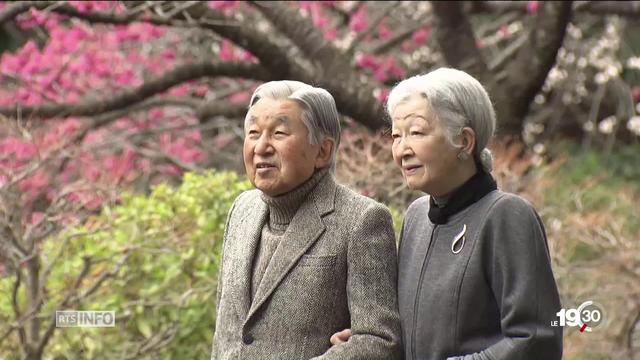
[[277, 154]]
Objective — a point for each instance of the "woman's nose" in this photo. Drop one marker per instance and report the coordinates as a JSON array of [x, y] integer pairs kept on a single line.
[[402, 148]]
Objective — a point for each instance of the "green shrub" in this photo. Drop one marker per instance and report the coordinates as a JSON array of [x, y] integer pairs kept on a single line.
[[164, 290]]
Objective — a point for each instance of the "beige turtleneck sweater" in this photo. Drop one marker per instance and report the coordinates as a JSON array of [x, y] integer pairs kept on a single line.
[[282, 209]]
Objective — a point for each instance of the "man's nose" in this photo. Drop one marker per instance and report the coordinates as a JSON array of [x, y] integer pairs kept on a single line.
[[263, 145]]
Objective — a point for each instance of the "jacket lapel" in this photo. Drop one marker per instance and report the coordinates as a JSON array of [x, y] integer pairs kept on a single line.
[[305, 228], [254, 222]]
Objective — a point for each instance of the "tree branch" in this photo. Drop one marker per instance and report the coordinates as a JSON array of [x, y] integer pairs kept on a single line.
[[13, 10], [304, 35], [241, 31], [456, 39], [527, 73], [71, 297], [128, 97], [376, 21], [621, 8], [353, 94], [398, 38]]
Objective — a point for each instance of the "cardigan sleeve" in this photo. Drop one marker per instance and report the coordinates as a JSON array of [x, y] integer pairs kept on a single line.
[[371, 290], [518, 267]]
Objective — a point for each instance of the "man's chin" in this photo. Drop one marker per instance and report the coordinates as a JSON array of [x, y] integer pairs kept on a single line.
[[268, 189]]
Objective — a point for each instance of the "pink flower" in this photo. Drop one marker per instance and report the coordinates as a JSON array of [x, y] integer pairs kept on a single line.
[[170, 170], [22, 150], [222, 140], [504, 31], [241, 97], [90, 172], [421, 36], [125, 78], [93, 202], [383, 31], [181, 90], [635, 92], [368, 62], [359, 21], [69, 126], [222, 5], [195, 135], [34, 183], [83, 7], [532, 7], [319, 20], [380, 74], [165, 140], [383, 95], [201, 90], [247, 56], [331, 35], [406, 46], [168, 54], [226, 51]]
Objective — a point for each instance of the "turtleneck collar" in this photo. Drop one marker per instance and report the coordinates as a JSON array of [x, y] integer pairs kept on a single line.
[[471, 191], [283, 207]]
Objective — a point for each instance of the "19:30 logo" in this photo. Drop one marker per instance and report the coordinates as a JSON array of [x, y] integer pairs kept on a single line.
[[586, 317]]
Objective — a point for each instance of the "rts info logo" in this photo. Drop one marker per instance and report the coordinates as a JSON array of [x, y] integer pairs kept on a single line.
[[586, 317]]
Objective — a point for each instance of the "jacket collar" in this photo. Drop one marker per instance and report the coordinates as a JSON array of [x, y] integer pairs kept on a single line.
[[303, 231]]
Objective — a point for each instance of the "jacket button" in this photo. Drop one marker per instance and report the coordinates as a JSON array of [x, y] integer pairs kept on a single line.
[[247, 339]]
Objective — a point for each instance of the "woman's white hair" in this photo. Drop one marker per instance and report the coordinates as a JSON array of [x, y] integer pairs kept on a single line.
[[319, 112], [458, 100]]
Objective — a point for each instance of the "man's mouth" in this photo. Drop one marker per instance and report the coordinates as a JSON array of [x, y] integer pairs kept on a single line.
[[263, 166]]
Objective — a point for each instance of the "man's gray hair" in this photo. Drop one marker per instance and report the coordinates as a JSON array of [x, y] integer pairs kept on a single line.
[[319, 112], [458, 100]]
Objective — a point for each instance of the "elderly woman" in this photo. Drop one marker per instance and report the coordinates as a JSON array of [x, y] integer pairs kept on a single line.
[[475, 279]]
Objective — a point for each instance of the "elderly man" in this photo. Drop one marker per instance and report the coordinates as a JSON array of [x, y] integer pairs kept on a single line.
[[303, 257]]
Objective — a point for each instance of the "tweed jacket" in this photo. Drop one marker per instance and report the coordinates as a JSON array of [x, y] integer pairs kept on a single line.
[[334, 268]]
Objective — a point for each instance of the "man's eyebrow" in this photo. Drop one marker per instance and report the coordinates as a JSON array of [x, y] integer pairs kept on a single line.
[[283, 119], [280, 119]]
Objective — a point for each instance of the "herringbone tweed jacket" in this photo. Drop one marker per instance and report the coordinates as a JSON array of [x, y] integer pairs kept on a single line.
[[334, 268]]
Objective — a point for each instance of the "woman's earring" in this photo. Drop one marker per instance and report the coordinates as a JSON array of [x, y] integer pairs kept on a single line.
[[462, 156]]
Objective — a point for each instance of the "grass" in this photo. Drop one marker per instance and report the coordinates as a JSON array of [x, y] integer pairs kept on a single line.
[[590, 204]]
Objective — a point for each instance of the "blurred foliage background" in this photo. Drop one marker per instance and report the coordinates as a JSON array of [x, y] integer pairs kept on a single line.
[[121, 135]]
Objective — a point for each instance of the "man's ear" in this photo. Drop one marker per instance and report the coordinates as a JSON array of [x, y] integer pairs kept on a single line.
[[468, 141], [325, 153]]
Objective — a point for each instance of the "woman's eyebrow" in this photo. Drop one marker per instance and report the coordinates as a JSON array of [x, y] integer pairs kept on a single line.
[[411, 115]]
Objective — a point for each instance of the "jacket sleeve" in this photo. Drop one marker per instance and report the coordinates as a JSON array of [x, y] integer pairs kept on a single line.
[[221, 272], [518, 267], [371, 290]]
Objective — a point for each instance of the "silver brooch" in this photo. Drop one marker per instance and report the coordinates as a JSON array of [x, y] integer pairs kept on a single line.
[[458, 239]]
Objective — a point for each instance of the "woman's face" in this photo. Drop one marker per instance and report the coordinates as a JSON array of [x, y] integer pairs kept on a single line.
[[421, 149]]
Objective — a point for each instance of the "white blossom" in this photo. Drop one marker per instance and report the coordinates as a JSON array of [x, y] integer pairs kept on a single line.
[[538, 148], [607, 124], [588, 126], [634, 125], [633, 63]]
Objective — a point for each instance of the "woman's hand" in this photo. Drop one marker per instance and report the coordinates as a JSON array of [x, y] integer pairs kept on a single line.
[[341, 337]]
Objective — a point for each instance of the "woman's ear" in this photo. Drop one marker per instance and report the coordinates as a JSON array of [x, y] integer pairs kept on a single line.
[[467, 141], [326, 152]]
